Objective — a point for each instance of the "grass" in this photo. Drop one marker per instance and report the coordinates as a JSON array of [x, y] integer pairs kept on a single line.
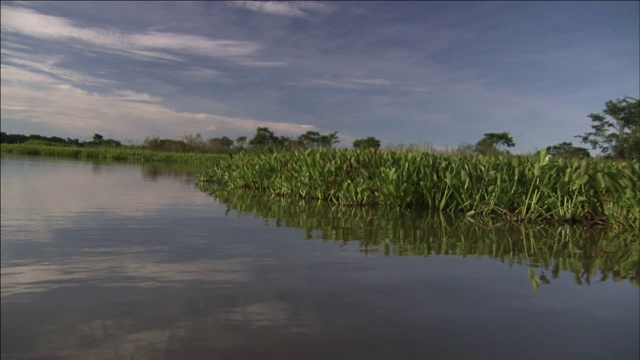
[[514, 188], [123, 154]]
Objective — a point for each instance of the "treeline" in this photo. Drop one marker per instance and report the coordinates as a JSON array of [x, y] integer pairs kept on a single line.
[[263, 140], [615, 133], [98, 140]]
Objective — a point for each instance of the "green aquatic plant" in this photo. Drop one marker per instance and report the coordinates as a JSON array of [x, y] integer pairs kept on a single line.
[[513, 188]]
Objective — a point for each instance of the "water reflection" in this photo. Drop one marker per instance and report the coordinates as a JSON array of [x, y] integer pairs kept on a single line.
[[110, 261], [77, 187], [590, 254]]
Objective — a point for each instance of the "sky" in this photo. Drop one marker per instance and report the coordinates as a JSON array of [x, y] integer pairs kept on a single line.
[[437, 73]]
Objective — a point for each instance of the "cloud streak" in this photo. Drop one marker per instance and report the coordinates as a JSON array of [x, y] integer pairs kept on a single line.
[[152, 45], [359, 84], [300, 9]]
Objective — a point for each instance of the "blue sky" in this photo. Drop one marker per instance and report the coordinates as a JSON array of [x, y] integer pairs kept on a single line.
[[442, 73]]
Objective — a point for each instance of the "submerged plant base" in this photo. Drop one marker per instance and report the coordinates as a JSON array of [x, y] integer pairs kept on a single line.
[[513, 188]]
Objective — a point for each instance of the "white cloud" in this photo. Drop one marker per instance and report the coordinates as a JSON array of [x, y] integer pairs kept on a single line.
[[360, 84], [48, 66], [149, 45], [300, 9], [127, 95], [31, 97], [199, 73], [372, 82], [261, 64]]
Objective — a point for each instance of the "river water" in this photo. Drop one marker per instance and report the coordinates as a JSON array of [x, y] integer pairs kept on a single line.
[[113, 261]]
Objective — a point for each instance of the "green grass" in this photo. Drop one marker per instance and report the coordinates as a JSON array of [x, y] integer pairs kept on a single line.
[[514, 188], [123, 154]]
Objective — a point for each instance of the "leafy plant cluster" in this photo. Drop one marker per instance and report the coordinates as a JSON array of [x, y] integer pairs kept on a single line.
[[517, 188]]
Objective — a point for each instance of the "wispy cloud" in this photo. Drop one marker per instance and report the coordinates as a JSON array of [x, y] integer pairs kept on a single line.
[[198, 73], [47, 65], [301, 9], [355, 84], [32, 97], [344, 84], [262, 64], [151, 45]]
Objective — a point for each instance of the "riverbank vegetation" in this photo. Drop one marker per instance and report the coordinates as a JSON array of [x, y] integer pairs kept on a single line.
[[559, 184], [516, 188], [121, 154]]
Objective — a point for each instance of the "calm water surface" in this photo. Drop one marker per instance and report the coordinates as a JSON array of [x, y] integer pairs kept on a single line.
[[123, 261]]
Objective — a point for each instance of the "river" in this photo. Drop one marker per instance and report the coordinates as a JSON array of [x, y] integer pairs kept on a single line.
[[113, 261]]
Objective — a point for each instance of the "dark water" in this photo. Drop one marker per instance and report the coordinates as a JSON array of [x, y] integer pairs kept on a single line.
[[131, 262]]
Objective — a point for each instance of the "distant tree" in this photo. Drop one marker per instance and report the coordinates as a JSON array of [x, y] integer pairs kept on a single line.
[[368, 143], [220, 144], [173, 145], [618, 135], [313, 139], [110, 142], [489, 145], [327, 141], [74, 142], [194, 142], [97, 137], [310, 139], [567, 150], [240, 141], [13, 138], [152, 143], [57, 140], [263, 138]]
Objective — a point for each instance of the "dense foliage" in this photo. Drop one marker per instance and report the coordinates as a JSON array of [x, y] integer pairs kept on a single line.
[[367, 143], [616, 132], [567, 150], [517, 188], [491, 143], [98, 140]]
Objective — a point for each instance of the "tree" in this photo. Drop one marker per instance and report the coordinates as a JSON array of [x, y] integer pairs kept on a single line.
[[489, 145], [617, 136], [152, 143], [220, 144], [567, 150], [263, 137], [369, 143], [327, 141], [194, 142], [240, 141], [313, 139], [97, 137], [310, 139]]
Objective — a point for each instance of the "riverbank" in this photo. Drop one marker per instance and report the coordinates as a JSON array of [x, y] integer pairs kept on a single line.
[[533, 188], [122, 153]]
